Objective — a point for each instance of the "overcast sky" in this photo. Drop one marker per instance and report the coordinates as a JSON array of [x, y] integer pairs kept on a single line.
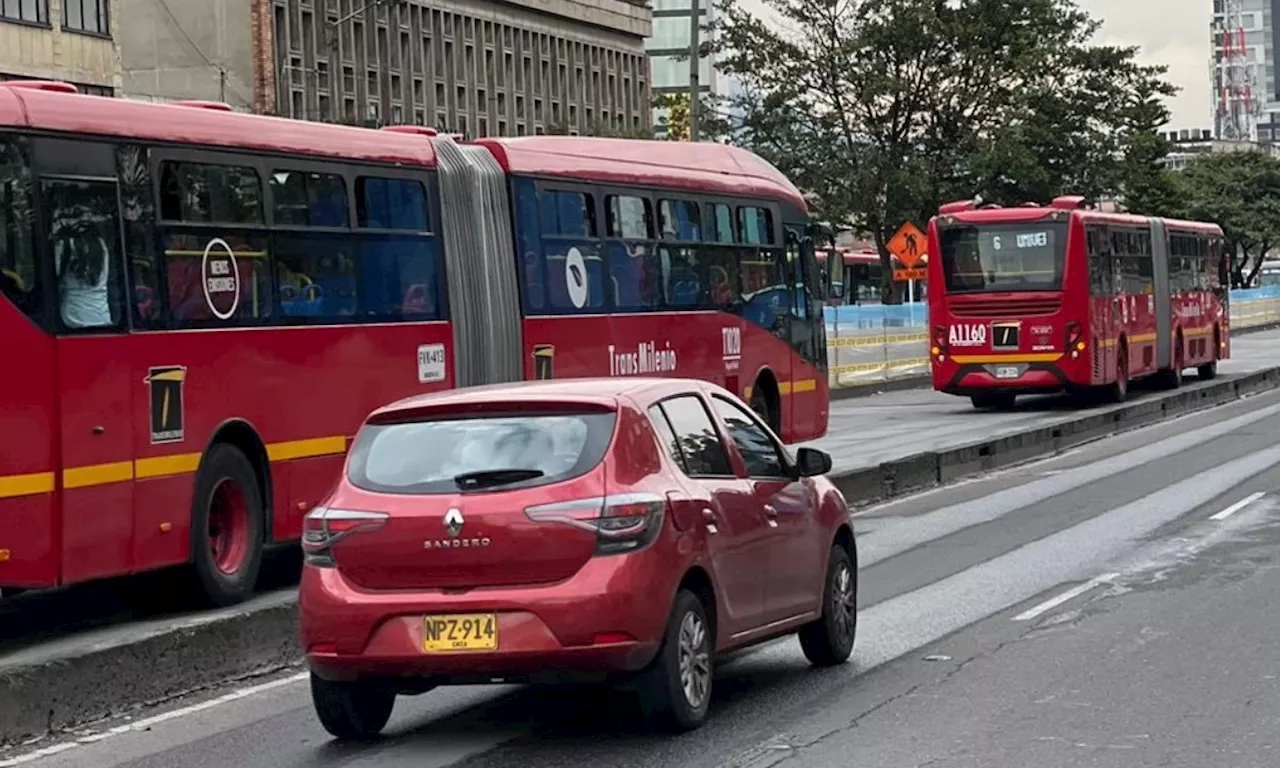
[[1171, 32]]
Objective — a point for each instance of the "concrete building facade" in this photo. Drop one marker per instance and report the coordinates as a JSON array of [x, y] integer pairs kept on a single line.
[[481, 68], [69, 40]]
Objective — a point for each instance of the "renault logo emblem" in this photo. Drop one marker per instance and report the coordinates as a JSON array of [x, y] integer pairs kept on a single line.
[[453, 522]]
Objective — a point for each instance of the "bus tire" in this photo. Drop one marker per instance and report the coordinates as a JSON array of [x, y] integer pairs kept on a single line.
[[764, 401], [1207, 371], [1119, 390], [998, 401], [1173, 376], [227, 518]]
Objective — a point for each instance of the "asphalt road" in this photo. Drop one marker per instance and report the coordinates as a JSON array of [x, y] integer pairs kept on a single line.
[[1161, 653], [867, 431]]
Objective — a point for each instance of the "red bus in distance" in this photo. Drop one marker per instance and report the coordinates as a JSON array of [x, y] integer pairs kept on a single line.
[[207, 304], [1033, 300]]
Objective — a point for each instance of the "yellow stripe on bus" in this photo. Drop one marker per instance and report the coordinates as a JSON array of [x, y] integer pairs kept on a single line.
[[1036, 357], [305, 449], [34, 484], [97, 474]]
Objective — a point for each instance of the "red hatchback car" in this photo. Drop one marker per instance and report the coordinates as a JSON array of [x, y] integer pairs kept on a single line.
[[619, 530]]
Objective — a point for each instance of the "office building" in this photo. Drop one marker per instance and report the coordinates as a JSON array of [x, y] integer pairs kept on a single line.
[[68, 40], [481, 68], [669, 55]]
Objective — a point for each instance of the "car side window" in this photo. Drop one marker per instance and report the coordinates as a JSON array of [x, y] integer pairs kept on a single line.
[[759, 451], [696, 438], [667, 435]]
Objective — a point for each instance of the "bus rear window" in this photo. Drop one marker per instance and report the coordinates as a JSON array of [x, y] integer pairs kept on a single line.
[[1003, 257]]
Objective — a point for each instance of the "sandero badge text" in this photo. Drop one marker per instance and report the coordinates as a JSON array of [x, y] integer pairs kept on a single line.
[[168, 423]]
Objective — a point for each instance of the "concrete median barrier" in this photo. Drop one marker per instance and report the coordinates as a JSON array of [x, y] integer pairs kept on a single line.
[[73, 682]]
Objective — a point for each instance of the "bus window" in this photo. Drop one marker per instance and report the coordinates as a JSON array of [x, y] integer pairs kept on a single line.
[[20, 277], [84, 237]]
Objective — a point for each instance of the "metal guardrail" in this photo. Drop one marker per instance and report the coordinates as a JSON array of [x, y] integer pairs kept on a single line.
[[874, 344]]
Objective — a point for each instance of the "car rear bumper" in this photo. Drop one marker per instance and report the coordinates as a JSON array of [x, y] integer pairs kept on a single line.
[[608, 618]]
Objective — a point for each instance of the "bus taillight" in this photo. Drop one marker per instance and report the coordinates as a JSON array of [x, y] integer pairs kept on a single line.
[[939, 341], [1075, 342]]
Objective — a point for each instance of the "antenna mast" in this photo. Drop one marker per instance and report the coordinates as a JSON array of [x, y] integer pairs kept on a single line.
[[1235, 108]]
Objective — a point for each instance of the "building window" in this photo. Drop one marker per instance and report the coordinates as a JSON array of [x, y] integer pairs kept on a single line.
[[85, 16], [33, 11]]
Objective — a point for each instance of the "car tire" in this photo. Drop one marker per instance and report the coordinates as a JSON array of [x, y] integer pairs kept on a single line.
[[687, 647], [828, 641], [355, 710]]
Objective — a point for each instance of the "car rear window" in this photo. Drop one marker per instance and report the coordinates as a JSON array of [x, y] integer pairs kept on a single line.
[[482, 453]]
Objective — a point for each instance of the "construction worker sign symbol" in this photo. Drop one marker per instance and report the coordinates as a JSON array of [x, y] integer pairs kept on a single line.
[[909, 245], [167, 417]]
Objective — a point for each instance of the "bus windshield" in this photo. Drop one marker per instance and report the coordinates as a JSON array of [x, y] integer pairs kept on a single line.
[[1003, 257]]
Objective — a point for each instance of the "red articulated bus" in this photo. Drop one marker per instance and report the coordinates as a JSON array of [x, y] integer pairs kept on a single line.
[[1066, 298], [207, 304]]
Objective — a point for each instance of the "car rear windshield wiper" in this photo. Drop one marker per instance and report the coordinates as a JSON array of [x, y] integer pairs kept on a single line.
[[487, 478]]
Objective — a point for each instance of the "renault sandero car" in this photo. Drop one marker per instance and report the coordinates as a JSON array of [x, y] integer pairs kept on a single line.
[[626, 531]]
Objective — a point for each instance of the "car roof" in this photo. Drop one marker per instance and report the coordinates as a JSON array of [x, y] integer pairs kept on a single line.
[[600, 391]]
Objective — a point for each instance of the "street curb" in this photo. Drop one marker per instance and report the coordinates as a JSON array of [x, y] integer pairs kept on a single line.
[[932, 469], [37, 698]]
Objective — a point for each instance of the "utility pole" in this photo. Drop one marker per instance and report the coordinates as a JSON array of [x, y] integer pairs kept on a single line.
[[695, 66], [222, 84]]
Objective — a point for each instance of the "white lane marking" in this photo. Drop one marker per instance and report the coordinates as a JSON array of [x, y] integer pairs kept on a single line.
[[1070, 594], [1239, 505], [149, 722], [899, 534]]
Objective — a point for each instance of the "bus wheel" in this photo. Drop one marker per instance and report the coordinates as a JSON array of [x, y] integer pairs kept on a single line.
[[765, 406], [1208, 370], [1175, 375], [1120, 388], [227, 525], [999, 401]]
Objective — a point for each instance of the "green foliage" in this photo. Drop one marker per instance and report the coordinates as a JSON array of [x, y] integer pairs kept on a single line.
[[1240, 191], [712, 123], [883, 109]]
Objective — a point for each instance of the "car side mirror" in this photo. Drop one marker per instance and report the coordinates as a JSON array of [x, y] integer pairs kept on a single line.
[[811, 462]]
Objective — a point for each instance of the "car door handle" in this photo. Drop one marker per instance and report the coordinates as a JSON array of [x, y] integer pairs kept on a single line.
[[772, 513], [709, 517]]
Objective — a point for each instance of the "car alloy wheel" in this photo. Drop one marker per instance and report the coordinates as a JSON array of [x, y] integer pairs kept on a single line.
[[694, 660]]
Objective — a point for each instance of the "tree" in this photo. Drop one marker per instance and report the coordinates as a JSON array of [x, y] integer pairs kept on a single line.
[[713, 125], [1240, 191], [884, 109]]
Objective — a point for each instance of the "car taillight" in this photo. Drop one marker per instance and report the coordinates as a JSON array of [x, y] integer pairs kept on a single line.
[[1075, 339], [939, 340], [324, 526], [621, 523]]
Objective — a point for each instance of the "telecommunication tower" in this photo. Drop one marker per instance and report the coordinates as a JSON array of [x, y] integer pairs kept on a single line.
[[1235, 108]]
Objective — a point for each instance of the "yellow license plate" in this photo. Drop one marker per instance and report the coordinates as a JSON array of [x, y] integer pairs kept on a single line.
[[460, 632]]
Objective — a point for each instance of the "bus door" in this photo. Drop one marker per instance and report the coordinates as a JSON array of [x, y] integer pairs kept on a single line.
[[79, 209], [807, 333], [1103, 309], [28, 462]]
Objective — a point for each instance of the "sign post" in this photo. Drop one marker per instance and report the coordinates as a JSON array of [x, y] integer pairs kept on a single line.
[[910, 247]]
